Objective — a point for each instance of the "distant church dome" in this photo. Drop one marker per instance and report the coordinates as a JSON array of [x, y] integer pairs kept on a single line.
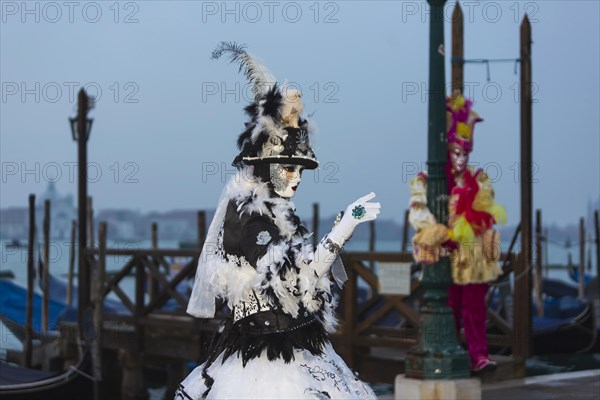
[[50, 194], [62, 211]]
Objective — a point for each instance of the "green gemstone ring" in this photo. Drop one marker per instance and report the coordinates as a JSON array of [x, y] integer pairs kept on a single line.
[[359, 212]]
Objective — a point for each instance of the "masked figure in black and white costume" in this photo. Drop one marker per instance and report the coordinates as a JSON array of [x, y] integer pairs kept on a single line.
[[259, 258]]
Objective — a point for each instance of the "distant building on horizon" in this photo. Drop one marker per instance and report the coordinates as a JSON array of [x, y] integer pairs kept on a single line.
[[121, 223], [14, 221], [175, 224]]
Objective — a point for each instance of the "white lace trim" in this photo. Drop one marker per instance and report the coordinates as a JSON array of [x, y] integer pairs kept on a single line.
[[251, 305]]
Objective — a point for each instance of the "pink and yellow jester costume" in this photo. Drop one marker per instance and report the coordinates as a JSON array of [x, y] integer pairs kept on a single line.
[[473, 246]]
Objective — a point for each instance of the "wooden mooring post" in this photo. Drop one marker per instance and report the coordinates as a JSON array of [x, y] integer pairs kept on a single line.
[[315, 224], [538, 264], [133, 386], [458, 49], [71, 264], [522, 286], [152, 282], [154, 235], [597, 225], [99, 310], [405, 231], [28, 343], [46, 266], [133, 373], [547, 268], [201, 228], [581, 285], [372, 242]]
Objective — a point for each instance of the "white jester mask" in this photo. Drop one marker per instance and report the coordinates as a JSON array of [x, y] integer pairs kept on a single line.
[[285, 178], [459, 158]]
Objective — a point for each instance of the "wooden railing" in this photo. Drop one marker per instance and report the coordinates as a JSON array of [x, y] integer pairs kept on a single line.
[[363, 327], [154, 317], [147, 265], [362, 310], [360, 326]]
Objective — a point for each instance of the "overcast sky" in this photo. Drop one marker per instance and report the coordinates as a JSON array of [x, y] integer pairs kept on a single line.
[[167, 116]]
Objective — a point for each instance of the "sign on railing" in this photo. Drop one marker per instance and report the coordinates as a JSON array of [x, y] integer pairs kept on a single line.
[[394, 278]]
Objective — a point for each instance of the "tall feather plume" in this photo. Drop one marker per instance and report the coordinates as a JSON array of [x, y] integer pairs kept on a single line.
[[257, 74]]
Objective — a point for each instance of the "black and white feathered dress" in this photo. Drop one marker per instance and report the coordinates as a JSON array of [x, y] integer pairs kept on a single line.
[[276, 345]]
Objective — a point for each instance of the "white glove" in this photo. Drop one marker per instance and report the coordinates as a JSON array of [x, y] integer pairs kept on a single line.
[[356, 213], [359, 211]]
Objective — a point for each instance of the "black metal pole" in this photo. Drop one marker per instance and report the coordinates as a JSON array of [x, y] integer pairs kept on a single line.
[[82, 270]]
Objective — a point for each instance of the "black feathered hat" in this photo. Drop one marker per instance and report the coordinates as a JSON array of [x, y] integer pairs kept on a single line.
[[276, 132]]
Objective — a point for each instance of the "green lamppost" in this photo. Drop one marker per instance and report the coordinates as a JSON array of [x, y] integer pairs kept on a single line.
[[438, 354]]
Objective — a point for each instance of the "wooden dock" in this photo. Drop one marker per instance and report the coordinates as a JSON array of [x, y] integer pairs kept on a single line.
[[154, 341], [150, 337]]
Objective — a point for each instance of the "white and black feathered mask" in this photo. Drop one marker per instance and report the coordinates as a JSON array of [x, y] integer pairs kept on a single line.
[[276, 132]]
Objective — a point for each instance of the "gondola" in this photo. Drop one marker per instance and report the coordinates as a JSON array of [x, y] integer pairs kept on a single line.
[[576, 334], [13, 301], [18, 383], [569, 323], [24, 383], [14, 244]]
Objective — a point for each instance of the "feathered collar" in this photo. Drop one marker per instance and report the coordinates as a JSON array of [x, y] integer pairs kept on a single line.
[[253, 196]]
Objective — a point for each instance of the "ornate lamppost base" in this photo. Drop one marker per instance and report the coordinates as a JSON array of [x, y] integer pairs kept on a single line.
[[438, 354], [416, 389], [437, 366]]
